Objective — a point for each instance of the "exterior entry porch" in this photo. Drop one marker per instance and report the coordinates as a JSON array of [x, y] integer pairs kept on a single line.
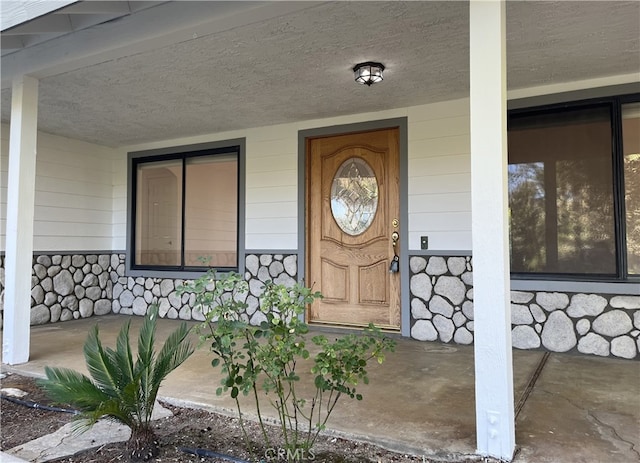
[[568, 408], [187, 86]]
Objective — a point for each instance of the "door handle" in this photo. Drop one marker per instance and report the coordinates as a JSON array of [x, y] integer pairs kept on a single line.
[[394, 239], [394, 267]]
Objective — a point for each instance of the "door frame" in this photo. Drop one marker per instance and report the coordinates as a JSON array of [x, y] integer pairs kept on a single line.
[[401, 124]]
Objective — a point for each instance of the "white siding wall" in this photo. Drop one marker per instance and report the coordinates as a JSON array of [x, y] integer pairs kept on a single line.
[[74, 194], [272, 188], [119, 217], [4, 169], [439, 177], [81, 187]]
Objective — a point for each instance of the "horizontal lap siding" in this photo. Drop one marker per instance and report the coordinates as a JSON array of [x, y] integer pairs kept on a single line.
[[272, 189], [439, 175], [74, 194], [269, 210], [119, 216], [4, 167]]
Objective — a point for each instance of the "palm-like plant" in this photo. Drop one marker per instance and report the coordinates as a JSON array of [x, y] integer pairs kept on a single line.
[[120, 389]]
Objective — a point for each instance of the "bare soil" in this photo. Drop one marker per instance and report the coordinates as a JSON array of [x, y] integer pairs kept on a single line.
[[187, 429]]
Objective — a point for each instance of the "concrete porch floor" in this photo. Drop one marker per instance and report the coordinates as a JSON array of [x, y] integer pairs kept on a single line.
[[421, 400]]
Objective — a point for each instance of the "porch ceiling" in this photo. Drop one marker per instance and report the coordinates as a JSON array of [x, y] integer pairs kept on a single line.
[[187, 68]]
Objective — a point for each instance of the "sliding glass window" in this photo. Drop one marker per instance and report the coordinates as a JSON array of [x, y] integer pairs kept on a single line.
[[566, 194], [186, 211]]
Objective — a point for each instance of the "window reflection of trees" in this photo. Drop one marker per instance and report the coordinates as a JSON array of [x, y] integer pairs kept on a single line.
[[586, 232], [561, 193], [580, 239], [632, 201], [527, 218], [631, 147]]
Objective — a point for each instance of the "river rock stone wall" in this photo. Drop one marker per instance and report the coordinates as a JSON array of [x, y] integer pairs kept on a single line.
[[595, 324], [132, 296], [73, 286], [70, 286]]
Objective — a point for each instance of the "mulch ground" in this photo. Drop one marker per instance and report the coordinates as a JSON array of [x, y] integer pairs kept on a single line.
[[218, 437]]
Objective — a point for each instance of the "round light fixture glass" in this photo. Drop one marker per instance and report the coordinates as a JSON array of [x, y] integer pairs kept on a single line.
[[368, 73]]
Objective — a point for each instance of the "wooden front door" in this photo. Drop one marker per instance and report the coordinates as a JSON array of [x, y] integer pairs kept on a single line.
[[352, 211]]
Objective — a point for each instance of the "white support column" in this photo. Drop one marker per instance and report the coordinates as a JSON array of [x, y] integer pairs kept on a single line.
[[20, 212], [495, 429]]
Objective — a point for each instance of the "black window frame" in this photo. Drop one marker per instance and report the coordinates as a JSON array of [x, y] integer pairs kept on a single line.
[[183, 153], [615, 104]]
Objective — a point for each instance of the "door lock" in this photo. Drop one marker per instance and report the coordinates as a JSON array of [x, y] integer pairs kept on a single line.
[[394, 267]]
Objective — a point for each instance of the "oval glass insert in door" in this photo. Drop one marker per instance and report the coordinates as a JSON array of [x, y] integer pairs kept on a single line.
[[354, 196]]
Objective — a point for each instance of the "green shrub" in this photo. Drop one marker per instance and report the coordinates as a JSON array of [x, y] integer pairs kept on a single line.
[[120, 389], [268, 357]]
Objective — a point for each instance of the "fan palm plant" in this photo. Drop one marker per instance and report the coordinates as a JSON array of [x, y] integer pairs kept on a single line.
[[120, 389]]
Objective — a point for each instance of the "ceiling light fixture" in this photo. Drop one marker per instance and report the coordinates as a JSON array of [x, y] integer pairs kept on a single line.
[[368, 73]]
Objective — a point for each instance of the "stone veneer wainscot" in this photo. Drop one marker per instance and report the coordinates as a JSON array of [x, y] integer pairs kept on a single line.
[[597, 324], [133, 295], [72, 286]]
